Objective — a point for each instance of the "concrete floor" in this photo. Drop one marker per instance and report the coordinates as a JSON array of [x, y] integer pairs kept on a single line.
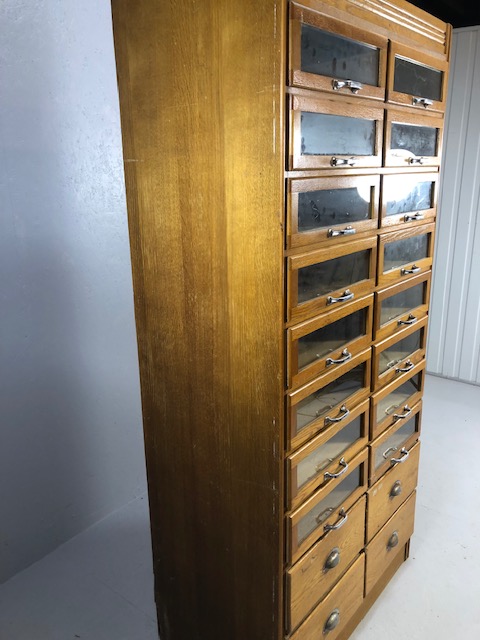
[[99, 585]]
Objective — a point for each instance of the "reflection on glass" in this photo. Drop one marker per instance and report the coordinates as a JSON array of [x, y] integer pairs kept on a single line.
[[395, 442], [324, 134], [318, 404], [320, 343], [326, 54], [405, 251], [399, 304], [399, 352], [401, 198], [328, 207], [396, 400], [324, 277], [417, 80], [324, 509], [413, 140]]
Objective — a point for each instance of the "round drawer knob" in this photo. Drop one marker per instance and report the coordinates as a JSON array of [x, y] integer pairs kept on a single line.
[[332, 621], [333, 559], [393, 540], [396, 489]]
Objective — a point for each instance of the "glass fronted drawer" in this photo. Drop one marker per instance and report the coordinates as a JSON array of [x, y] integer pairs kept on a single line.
[[394, 402], [405, 253], [329, 55], [397, 355], [327, 400], [331, 209], [412, 139], [327, 455], [327, 133], [328, 341], [325, 279], [416, 79], [393, 446], [408, 199], [326, 508], [401, 305]]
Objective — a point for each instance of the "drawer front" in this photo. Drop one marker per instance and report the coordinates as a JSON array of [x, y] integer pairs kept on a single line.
[[388, 542], [412, 140], [315, 574], [408, 199], [402, 254], [326, 134], [391, 491], [328, 341], [331, 210], [401, 305], [327, 400], [329, 55], [326, 279], [328, 453], [393, 446], [329, 619], [326, 508]]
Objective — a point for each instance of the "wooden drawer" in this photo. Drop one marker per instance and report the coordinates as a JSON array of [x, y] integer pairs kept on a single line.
[[327, 400], [330, 618], [391, 447], [412, 139], [397, 355], [401, 305], [331, 210], [326, 279], [408, 199], [329, 452], [319, 569], [391, 491], [326, 342], [326, 508], [390, 541], [404, 253]]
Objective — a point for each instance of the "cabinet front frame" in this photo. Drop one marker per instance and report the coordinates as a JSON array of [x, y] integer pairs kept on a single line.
[[415, 119], [423, 215]]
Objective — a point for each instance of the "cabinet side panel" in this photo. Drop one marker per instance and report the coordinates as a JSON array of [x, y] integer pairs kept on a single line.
[[201, 95]]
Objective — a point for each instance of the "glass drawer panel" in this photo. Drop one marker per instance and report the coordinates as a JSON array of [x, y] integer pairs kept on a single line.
[[413, 139], [319, 403], [398, 352], [331, 55], [329, 135], [324, 277], [405, 251], [329, 207], [320, 343], [325, 507], [417, 79], [399, 304], [397, 399], [400, 198], [395, 442], [319, 459]]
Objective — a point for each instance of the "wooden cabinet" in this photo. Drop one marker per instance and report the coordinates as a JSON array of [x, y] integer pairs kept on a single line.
[[282, 169]]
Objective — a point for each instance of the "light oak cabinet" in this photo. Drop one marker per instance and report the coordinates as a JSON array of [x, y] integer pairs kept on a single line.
[[282, 169]]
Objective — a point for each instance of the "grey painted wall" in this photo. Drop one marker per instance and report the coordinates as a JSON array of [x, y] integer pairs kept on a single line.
[[71, 447]]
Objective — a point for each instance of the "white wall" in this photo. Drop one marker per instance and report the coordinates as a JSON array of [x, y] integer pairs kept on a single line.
[[71, 447], [454, 329]]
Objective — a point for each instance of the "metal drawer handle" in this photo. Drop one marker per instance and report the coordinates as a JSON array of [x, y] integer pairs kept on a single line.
[[343, 464], [413, 216], [393, 540], [401, 416], [333, 559], [340, 522], [410, 320], [423, 101], [354, 86], [407, 272], [332, 621], [416, 160], [344, 414], [396, 490], [347, 295], [404, 456], [342, 162], [408, 367], [348, 231], [346, 356]]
